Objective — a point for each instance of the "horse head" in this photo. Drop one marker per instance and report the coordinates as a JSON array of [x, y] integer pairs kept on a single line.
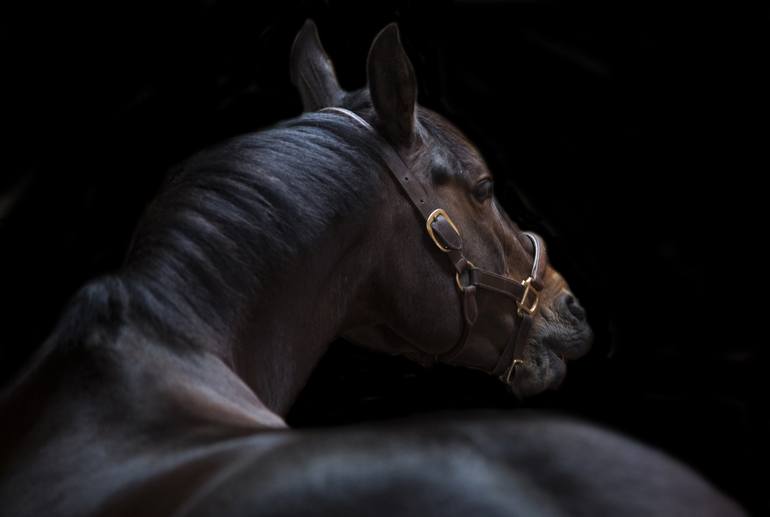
[[457, 280]]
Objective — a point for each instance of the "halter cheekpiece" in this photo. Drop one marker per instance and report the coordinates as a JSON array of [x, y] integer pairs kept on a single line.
[[468, 278]]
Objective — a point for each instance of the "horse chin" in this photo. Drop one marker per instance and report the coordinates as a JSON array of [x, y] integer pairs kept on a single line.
[[543, 370]]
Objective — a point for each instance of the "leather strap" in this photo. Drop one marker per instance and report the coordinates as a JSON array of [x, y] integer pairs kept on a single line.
[[421, 198], [469, 278]]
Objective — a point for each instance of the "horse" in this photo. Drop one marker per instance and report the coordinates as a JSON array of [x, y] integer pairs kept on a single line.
[[163, 388]]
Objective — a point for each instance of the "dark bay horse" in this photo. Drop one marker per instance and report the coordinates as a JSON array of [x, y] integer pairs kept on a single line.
[[163, 387]]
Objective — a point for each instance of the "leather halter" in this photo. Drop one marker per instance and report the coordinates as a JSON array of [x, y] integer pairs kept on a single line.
[[469, 278]]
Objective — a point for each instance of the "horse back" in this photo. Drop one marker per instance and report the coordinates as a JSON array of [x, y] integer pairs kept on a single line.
[[482, 465]]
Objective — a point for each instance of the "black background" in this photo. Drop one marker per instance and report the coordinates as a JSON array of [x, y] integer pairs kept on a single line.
[[630, 137]]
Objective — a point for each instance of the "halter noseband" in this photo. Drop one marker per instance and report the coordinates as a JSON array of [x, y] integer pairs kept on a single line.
[[469, 278]]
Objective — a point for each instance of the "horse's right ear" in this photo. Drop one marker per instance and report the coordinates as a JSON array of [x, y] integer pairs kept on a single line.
[[392, 85], [312, 71]]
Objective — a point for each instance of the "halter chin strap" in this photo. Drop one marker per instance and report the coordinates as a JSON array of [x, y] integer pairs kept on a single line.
[[446, 236]]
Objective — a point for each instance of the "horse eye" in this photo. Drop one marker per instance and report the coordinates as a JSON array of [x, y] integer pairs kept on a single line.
[[484, 189]]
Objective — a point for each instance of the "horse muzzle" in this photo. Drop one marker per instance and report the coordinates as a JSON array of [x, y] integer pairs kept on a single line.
[[560, 334]]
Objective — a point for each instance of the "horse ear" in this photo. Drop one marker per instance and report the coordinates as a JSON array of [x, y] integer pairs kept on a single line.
[[392, 85], [312, 72]]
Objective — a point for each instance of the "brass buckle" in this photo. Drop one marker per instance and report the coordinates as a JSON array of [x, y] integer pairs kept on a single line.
[[529, 292], [432, 217]]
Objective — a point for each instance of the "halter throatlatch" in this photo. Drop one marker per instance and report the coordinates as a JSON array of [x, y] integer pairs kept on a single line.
[[470, 279]]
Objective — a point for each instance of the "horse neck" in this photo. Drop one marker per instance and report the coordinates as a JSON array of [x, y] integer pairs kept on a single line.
[[270, 312], [308, 304], [208, 324]]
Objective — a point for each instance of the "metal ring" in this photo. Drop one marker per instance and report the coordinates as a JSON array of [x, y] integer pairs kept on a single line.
[[514, 364], [457, 276]]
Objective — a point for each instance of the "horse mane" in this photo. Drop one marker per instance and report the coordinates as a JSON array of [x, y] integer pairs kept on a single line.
[[227, 219]]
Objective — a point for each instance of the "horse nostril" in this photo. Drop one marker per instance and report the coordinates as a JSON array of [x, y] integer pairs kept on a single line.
[[573, 307]]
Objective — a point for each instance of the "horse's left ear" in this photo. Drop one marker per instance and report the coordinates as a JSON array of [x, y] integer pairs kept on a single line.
[[312, 71], [392, 85]]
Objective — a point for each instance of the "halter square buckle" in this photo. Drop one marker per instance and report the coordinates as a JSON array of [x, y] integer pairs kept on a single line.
[[529, 300]]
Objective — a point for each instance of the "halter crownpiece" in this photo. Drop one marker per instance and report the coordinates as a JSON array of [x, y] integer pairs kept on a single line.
[[469, 279]]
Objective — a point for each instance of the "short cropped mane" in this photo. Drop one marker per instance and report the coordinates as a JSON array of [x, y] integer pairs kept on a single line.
[[230, 215]]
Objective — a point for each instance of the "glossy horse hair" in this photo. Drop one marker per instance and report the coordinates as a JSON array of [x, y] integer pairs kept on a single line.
[[163, 390], [234, 204]]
